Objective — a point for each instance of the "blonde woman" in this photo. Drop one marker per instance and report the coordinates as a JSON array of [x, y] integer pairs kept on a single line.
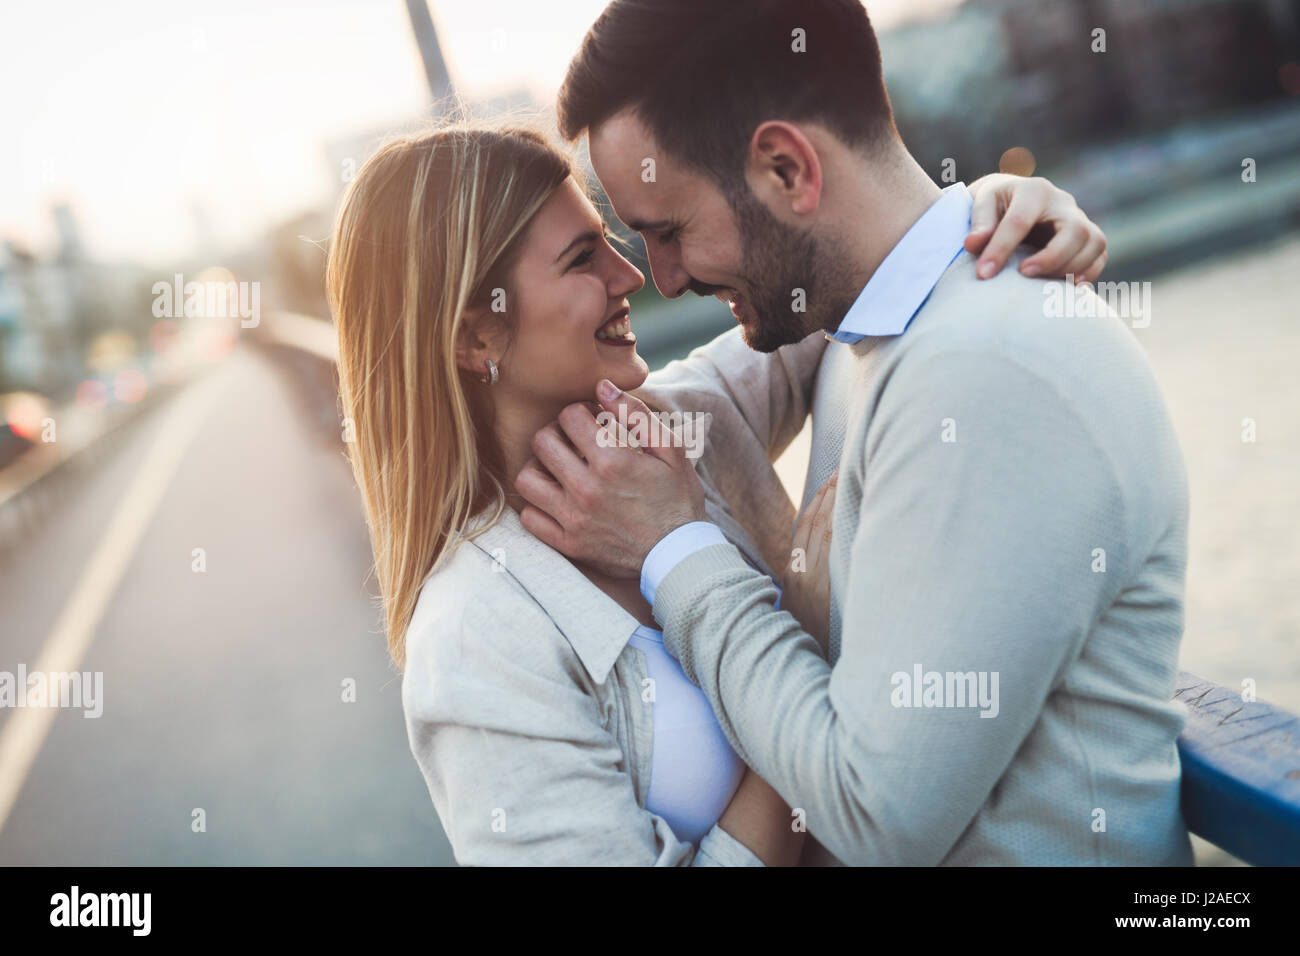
[[476, 295]]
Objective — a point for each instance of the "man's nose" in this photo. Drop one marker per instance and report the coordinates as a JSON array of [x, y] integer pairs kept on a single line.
[[666, 268]]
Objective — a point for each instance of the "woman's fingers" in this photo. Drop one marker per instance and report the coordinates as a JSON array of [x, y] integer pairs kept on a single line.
[[1071, 240], [1073, 251], [804, 526], [816, 518], [821, 535], [1029, 200], [1094, 271], [983, 219], [977, 240], [1084, 265], [1008, 210]]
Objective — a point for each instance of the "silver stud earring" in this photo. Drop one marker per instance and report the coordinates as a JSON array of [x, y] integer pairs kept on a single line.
[[491, 377]]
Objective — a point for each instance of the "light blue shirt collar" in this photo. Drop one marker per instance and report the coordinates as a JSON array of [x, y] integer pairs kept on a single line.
[[907, 276]]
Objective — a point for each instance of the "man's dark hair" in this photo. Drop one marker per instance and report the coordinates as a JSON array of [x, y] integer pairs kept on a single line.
[[703, 74]]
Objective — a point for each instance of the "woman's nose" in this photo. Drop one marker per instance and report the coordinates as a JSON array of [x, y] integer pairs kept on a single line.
[[627, 279]]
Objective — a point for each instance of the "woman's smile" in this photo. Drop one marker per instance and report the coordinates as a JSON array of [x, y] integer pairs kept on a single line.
[[617, 330]]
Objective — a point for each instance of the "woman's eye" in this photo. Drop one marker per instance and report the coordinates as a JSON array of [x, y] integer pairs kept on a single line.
[[668, 236], [586, 256]]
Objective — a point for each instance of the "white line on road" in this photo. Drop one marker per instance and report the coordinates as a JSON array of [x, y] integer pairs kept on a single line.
[[25, 731]]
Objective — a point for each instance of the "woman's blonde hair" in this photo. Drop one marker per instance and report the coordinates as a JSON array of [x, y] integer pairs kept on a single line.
[[430, 226]]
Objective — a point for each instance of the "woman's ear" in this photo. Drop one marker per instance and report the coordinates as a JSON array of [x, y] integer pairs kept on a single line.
[[478, 340], [470, 346]]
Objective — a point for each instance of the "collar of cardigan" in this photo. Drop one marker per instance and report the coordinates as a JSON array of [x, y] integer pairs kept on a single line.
[[595, 625]]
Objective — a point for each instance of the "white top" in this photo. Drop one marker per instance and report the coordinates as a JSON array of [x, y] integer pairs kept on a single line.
[[694, 772]]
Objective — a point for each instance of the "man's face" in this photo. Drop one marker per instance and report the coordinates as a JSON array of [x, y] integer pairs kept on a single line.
[[766, 270]]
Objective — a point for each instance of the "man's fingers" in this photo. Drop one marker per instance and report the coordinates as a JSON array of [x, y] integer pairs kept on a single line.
[[581, 427], [539, 489], [554, 452], [642, 424], [627, 409], [616, 435], [542, 527], [1027, 205]]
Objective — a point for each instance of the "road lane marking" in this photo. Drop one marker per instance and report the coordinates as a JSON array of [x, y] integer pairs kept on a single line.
[[24, 733]]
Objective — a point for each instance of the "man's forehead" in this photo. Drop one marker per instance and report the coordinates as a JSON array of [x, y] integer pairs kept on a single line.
[[627, 159], [621, 138]]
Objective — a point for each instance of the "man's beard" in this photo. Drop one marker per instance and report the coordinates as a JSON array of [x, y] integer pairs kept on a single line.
[[776, 261]]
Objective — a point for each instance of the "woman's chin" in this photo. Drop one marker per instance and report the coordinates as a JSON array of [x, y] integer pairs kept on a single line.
[[630, 374]]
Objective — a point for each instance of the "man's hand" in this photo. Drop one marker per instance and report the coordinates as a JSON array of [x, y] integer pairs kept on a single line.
[[597, 500], [1009, 210]]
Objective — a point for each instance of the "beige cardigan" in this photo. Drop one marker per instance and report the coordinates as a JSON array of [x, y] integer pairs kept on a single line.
[[522, 695]]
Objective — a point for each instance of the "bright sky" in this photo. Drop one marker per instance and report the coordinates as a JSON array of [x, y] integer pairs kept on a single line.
[[139, 112]]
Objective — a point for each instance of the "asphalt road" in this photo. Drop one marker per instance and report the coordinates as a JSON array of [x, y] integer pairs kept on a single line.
[[223, 690]]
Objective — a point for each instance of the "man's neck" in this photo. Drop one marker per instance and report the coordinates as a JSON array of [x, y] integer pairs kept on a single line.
[[889, 197]]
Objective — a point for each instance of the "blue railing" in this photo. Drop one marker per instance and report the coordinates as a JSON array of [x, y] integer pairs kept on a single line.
[[1241, 773]]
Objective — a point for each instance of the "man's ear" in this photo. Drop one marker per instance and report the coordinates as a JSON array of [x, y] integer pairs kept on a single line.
[[783, 168]]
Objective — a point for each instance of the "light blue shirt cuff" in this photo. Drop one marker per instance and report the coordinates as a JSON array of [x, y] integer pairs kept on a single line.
[[672, 549]]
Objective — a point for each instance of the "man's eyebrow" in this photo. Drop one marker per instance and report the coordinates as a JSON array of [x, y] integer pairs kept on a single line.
[[587, 236]]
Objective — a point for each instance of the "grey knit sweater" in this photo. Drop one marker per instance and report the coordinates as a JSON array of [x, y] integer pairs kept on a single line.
[[1007, 572]]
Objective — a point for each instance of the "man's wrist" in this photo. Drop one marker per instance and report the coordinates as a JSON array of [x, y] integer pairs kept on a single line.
[[672, 549]]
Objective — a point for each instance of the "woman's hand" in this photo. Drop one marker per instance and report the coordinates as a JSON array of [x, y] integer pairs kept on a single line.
[[1010, 210], [807, 593]]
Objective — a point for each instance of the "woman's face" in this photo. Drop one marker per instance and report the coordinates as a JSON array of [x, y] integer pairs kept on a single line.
[[572, 327]]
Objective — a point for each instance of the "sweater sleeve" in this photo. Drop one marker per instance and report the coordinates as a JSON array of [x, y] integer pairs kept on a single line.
[[966, 556], [765, 394], [752, 405]]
